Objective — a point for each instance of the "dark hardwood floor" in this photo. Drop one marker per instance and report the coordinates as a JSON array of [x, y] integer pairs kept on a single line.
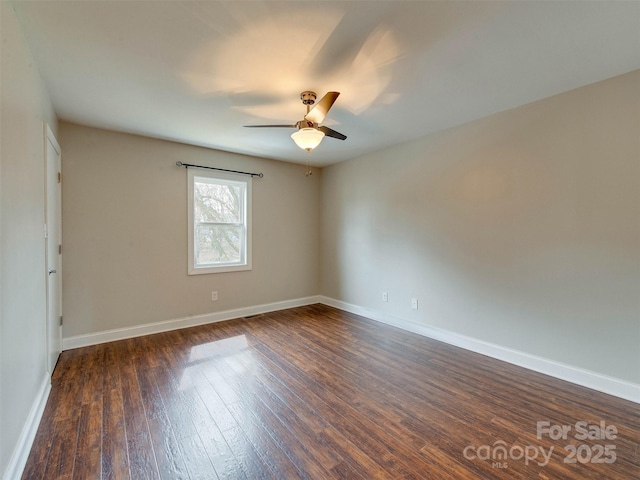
[[317, 393]]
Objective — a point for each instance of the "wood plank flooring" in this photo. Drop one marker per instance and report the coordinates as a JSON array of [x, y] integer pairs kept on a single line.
[[316, 393]]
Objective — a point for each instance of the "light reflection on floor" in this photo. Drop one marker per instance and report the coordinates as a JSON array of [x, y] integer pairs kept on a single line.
[[211, 353]]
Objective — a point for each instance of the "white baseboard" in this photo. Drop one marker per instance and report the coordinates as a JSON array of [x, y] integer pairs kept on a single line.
[[23, 447], [610, 385], [158, 327], [595, 381]]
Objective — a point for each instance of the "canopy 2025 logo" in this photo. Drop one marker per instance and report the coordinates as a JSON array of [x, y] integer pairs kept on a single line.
[[500, 454]]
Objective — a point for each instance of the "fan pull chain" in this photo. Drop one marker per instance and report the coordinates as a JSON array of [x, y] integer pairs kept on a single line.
[[309, 172]]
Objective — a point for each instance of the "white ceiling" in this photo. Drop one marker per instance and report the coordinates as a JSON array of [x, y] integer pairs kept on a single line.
[[195, 72]]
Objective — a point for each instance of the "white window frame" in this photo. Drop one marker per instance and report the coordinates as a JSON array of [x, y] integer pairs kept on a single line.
[[245, 263]]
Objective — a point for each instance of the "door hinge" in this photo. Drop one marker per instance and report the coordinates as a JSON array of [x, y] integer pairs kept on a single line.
[[59, 177], [61, 322], [59, 249]]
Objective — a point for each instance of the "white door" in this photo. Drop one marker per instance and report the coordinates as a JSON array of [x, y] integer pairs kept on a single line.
[[53, 232]]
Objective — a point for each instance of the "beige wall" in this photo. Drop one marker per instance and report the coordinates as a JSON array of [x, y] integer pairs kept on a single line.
[[24, 106], [521, 229], [125, 232]]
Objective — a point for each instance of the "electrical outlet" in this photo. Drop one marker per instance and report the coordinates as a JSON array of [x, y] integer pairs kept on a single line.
[[214, 296], [385, 297], [414, 303]]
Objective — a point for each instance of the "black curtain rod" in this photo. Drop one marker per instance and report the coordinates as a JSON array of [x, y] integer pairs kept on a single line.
[[186, 165]]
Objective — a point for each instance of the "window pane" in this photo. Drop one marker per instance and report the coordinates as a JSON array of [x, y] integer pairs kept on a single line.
[[217, 244], [217, 202], [219, 222]]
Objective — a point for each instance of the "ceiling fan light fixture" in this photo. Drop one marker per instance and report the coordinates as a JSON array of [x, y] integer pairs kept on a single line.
[[308, 138]]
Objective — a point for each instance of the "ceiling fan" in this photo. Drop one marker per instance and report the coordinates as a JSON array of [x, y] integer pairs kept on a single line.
[[310, 134]]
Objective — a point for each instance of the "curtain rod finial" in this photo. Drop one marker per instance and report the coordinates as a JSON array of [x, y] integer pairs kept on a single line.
[[179, 164]]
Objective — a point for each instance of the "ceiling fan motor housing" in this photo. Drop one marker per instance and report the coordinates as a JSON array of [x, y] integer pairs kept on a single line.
[[306, 124], [308, 97]]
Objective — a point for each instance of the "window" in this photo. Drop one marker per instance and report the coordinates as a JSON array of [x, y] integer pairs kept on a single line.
[[219, 222]]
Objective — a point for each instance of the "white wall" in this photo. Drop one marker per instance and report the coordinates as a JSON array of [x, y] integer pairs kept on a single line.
[[24, 107], [521, 229], [125, 233]]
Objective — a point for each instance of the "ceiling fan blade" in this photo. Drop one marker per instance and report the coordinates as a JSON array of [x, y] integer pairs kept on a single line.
[[349, 37], [320, 109], [332, 133], [271, 126]]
